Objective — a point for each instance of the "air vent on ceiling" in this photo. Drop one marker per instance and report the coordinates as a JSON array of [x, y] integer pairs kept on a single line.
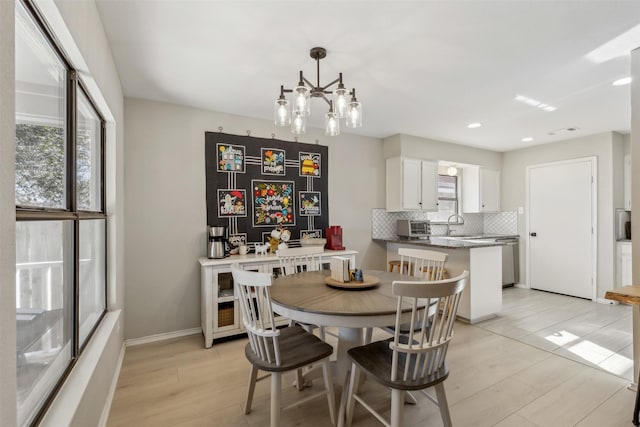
[[563, 131]]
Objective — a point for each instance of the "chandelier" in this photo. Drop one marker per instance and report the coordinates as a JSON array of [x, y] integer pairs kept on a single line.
[[294, 113]]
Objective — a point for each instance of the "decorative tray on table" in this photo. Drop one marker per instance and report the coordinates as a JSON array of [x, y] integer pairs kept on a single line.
[[368, 281]]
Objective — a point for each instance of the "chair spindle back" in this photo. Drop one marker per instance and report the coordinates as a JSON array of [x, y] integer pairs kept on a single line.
[[422, 351], [297, 260], [423, 263], [252, 291]]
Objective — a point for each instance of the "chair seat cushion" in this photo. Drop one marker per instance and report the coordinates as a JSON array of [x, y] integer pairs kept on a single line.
[[298, 348], [375, 361]]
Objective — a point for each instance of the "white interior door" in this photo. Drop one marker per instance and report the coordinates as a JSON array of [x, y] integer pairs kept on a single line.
[[561, 227]]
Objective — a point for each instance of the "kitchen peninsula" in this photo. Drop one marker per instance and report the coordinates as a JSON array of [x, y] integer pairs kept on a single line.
[[482, 257]]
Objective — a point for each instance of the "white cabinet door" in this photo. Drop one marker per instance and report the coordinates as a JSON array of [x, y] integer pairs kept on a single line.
[[412, 184], [489, 190], [627, 182], [429, 184], [480, 190], [624, 265]]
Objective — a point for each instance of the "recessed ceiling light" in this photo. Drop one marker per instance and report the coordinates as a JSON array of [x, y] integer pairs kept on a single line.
[[474, 125], [621, 82], [527, 139], [535, 103]]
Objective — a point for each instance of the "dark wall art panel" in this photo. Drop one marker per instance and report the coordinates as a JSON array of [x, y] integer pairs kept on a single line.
[[255, 185]]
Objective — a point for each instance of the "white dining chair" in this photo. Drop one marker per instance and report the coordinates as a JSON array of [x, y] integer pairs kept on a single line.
[[297, 260], [415, 360], [421, 263], [424, 263], [274, 350]]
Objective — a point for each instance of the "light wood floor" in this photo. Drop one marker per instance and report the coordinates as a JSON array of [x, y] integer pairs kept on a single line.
[[547, 360]]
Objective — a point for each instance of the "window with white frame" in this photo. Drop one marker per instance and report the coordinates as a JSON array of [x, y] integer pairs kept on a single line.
[[447, 199], [60, 216]]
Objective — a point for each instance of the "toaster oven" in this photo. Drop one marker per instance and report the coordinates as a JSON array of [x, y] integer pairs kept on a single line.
[[413, 229]]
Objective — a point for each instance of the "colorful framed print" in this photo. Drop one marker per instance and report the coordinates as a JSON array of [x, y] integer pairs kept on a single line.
[[231, 158], [232, 203], [309, 164], [272, 161], [309, 202], [273, 203]]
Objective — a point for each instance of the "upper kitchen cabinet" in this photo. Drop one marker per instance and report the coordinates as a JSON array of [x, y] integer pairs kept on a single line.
[[627, 182], [480, 190], [412, 184]]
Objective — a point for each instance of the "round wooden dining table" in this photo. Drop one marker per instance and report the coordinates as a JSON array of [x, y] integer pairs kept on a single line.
[[306, 297]]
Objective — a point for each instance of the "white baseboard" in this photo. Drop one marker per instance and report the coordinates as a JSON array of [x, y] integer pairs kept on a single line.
[[162, 337], [112, 390], [521, 285], [606, 301]]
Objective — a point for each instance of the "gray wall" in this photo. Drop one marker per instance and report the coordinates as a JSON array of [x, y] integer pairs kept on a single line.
[[7, 216], [166, 205], [610, 191]]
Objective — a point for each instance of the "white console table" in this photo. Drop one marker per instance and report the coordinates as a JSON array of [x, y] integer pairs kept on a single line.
[[219, 311]]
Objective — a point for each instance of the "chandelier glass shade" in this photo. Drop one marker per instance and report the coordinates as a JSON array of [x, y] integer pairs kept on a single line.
[[342, 102]]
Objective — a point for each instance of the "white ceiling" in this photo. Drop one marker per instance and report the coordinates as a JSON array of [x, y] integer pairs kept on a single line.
[[425, 68]]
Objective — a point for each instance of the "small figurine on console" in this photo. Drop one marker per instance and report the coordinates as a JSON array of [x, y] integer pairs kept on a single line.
[[279, 238], [285, 235], [274, 240], [262, 249]]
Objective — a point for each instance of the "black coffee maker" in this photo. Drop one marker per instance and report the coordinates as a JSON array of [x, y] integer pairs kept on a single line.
[[218, 245]]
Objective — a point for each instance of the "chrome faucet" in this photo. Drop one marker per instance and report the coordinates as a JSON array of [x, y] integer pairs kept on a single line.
[[449, 230]]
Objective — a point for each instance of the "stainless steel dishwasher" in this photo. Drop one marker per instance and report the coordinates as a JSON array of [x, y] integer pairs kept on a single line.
[[510, 261]]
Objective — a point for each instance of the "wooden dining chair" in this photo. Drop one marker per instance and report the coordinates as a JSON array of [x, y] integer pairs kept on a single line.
[[273, 350], [412, 361]]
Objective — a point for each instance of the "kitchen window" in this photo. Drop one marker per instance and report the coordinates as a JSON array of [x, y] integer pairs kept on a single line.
[[447, 199], [60, 217]]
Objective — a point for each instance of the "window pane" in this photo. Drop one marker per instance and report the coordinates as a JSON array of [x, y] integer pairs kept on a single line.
[[447, 186], [92, 274], [44, 277], [88, 156], [41, 98], [447, 199]]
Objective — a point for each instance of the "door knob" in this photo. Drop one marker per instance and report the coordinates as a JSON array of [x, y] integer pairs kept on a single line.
[[533, 234]]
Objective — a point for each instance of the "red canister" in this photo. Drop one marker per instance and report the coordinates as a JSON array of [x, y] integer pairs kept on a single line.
[[334, 238]]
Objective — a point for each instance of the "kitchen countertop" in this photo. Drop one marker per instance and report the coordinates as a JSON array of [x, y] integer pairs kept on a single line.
[[460, 242]]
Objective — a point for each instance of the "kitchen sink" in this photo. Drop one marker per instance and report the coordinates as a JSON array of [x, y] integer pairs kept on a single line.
[[458, 237]]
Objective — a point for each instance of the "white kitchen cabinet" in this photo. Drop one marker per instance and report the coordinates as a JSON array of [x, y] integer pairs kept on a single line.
[[412, 184], [624, 267], [219, 311], [627, 182], [480, 190]]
